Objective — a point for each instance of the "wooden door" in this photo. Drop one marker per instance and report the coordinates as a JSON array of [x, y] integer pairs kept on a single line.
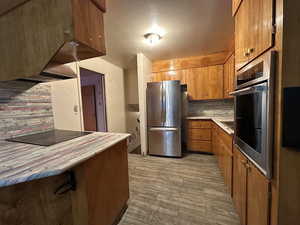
[[240, 184], [242, 33], [257, 197], [205, 83], [261, 27], [229, 77], [235, 6], [89, 108]]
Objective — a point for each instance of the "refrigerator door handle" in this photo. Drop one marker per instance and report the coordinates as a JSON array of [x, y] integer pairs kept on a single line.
[[162, 103], [163, 129]]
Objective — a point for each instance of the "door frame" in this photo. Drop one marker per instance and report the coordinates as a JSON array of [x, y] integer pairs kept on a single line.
[[87, 78]]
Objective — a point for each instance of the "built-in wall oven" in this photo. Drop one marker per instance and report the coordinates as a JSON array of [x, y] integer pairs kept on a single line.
[[254, 111]]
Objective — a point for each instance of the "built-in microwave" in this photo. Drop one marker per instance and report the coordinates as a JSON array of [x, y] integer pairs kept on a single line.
[[254, 111]]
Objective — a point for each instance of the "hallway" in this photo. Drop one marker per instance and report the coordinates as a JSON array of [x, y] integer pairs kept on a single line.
[[187, 191]]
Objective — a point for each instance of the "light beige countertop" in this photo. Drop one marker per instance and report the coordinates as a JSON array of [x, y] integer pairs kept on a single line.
[[25, 162], [217, 120]]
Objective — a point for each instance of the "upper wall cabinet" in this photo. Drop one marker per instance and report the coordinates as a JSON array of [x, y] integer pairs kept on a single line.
[[253, 30], [205, 83], [42, 31], [171, 75], [235, 6], [229, 77]]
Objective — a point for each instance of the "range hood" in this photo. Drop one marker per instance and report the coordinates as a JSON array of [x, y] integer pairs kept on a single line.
[[53, 72]]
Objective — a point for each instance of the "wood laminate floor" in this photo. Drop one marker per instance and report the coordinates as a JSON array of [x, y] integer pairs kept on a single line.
[[183, 191]]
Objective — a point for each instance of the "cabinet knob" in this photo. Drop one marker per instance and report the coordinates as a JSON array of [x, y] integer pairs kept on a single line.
[[246, 54], [251, 50]]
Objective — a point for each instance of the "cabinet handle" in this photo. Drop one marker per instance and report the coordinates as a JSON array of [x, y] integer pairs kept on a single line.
[[251, 50], [246, 54], [69, 185], [248, 167]]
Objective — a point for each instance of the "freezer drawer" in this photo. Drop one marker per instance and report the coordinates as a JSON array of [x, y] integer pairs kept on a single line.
[[165, 142]]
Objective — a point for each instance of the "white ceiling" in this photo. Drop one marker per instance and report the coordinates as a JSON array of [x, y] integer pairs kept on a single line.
[[192, 27]]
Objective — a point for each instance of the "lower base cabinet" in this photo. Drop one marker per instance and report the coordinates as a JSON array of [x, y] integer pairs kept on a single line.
[[222, 148], [251, 191], [101, 194]]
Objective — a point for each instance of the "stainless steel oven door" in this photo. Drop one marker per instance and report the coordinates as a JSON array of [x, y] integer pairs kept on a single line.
[[253, 131]]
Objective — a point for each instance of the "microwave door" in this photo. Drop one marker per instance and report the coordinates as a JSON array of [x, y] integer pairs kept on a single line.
[[155, 104]]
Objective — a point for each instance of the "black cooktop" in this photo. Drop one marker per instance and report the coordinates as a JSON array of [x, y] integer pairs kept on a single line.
[[49, 138]]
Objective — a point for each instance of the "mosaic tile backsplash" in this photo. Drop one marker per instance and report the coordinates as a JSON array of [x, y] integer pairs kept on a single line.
[[25, 108], [215, 108]]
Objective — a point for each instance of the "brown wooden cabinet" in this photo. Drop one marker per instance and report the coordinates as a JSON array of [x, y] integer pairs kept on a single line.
[[253, 30], [222, 148], [257, 197], [250, 191], [180, 75], [229, 77], [55, 31], [240, 184], [199, 136], [100, 195], [205, 83], [235, 6]]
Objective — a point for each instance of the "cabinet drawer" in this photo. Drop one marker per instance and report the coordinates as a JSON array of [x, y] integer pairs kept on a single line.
[[199, 124], [199, 134], [199, 146]]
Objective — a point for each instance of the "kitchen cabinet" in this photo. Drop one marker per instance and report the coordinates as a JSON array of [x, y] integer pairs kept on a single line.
[[99, 194], [235, 6], [199, 136], [229, 77], [76, 32], [240, 184], [205, 83], [180, 75], [257, 197], [253, 30], [250, 192], [222, 148]]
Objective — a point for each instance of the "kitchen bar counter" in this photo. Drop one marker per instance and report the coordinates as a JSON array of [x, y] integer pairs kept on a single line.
[[24, 162], [217, 120]]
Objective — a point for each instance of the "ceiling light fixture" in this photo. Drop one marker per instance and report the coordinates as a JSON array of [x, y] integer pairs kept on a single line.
[[152, 38]]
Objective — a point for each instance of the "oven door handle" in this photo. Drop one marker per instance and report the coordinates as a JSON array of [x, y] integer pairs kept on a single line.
[[249, 90], [245, 90]]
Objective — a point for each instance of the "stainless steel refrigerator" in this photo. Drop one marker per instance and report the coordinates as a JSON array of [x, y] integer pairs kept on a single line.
[[164, 118]]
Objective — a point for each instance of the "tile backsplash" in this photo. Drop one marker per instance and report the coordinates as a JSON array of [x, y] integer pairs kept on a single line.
[[25, 108], [217, 108]]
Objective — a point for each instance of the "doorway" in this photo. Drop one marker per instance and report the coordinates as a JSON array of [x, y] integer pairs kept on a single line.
[[93, 100]]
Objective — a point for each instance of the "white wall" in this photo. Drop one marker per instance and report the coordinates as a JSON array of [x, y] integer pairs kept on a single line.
[[66, 105], [132, 101], [66, 95], [114, 91], [144, 70]]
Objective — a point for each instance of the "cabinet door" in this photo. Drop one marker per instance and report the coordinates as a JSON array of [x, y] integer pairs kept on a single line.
[[229, 77], [88, 25], [205, 83], [257, 197], [240, 184], [261, 27], [242, 33], [96, 28], [235, 6], [254, 30]]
